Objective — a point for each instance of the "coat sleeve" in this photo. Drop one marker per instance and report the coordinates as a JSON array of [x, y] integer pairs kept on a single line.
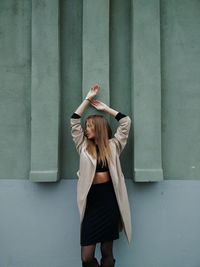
[[121, 135], [77, 133]]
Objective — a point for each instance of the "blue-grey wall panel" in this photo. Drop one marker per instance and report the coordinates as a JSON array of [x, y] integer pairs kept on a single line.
[[180, 46], [39, 225]]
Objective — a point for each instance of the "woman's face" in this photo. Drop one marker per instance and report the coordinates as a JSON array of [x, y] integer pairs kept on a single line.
[[90, 131]]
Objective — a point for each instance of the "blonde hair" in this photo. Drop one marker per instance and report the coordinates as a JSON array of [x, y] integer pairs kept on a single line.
[[103, 133]]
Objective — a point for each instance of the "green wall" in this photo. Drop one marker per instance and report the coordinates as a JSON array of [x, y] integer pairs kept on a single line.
[[180, 39], [148, 67], [144, 54], [117, 95], [15, 75]]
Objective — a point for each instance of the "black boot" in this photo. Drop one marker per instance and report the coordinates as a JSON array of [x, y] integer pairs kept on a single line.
[[107, 264], [93, 263]]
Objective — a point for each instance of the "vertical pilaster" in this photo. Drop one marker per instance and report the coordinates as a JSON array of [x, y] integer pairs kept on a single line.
[[45, 90], [96, 46], [146, 90]]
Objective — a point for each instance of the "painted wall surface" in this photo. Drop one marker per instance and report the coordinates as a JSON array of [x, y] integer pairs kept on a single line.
[[117, 96], [15, 89], [180, 57], [39, 225], [39, 222]]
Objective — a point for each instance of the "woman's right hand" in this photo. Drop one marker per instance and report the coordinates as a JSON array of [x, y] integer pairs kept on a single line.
[[99, 105], [94, 90]]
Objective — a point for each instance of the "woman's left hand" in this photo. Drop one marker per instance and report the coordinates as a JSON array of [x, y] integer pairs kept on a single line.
[[94, 90], [98, 105]]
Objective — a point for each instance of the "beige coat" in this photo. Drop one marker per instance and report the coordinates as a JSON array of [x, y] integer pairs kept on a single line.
[[87, 170]]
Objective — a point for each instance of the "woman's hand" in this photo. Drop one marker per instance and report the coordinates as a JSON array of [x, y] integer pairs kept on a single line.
[[99, 105], [94, 90]]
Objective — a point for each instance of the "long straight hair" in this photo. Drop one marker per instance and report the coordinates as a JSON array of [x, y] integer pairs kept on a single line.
[[103, 133]]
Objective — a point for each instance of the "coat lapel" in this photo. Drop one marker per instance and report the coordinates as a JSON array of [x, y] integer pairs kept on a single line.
[[90, 157]]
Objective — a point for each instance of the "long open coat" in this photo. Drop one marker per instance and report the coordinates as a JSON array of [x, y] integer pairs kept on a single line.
[[87, 170]]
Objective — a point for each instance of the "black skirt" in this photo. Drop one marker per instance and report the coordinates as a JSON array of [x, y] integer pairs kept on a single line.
[[102, 215]]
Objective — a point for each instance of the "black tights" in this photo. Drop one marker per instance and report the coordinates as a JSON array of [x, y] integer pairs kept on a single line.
[[88, 252]]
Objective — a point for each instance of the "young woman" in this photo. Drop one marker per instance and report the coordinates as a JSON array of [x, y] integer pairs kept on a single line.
[[101, 191]]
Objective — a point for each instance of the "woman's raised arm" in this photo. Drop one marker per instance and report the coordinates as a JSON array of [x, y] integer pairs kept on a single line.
[[103, 107], [90, 95], [76, 128]]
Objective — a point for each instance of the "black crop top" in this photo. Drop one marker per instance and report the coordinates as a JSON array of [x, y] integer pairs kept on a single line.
[[100, 167]]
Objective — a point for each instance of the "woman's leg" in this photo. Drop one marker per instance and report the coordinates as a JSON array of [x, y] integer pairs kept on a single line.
[[87, 256], [107, 253]]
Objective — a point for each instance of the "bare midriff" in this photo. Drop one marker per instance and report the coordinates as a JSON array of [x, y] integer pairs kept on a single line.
[[101, 177]]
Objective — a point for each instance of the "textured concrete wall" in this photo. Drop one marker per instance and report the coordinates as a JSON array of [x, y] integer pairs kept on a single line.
[[162, 99], [15, 77], [180, 59], [39, 222], [39, 225]]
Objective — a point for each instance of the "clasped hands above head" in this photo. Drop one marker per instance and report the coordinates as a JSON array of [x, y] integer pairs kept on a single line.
[[93, 91]]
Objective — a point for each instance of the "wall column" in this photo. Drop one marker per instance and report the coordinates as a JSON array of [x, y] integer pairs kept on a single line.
[[96, 47], [45, 91], [146, 90]]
